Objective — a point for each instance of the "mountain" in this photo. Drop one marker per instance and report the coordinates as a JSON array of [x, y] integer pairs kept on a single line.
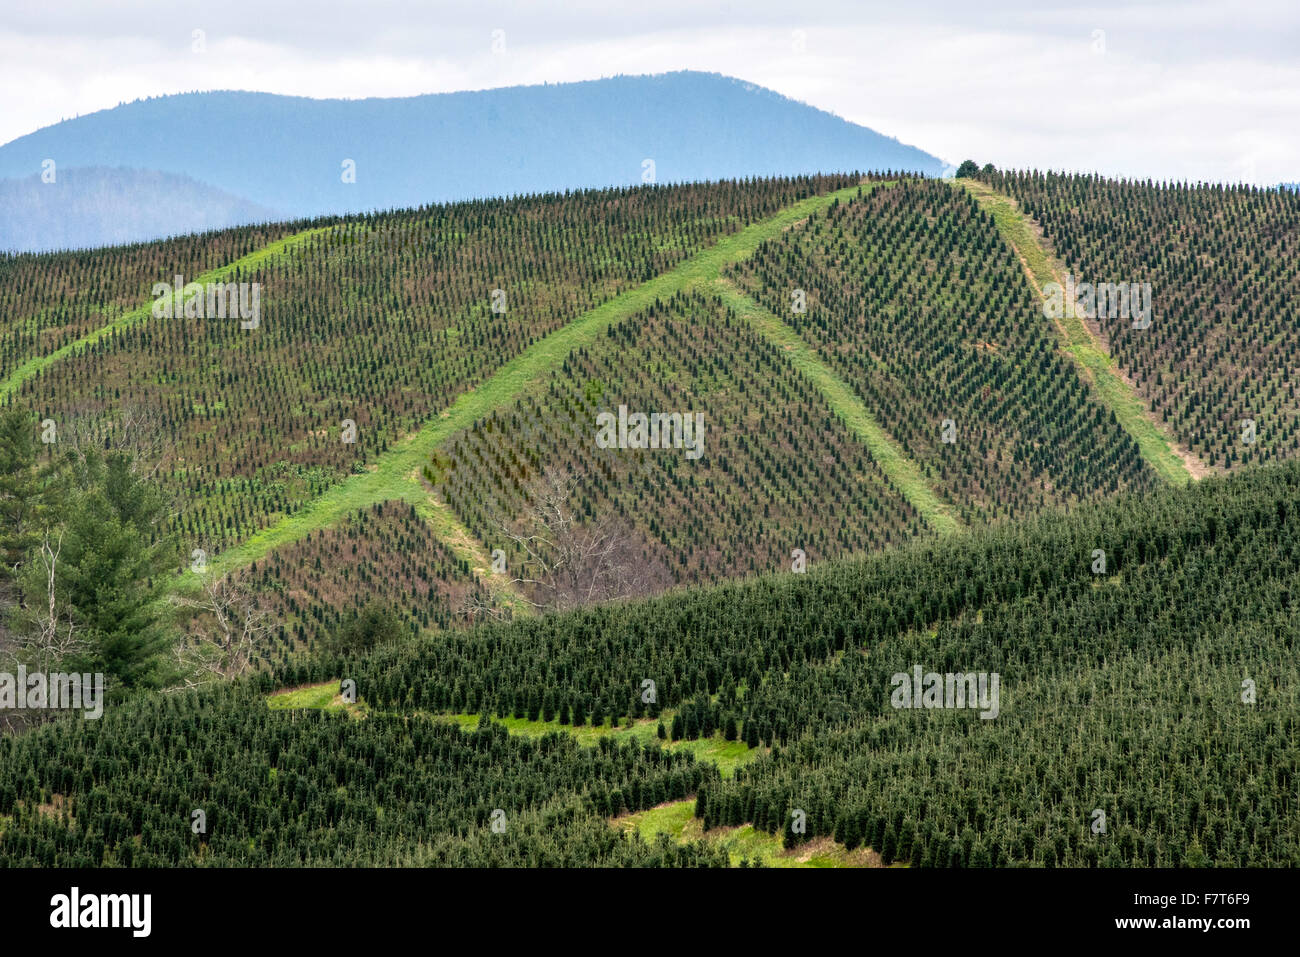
[[288, 153], [96, 206]]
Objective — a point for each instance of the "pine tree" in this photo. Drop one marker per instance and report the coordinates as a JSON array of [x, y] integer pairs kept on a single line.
[[114, 557]]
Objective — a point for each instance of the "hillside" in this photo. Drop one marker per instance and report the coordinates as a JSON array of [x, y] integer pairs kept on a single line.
[[287, 153], [398, 311], [1121, 694], [827, 428], [397, 472], [914, 297], [1223, 265]]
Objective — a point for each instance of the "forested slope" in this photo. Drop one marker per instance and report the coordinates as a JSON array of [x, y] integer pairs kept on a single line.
[[1159, 689], [380, 321], [773, 465], [914, 298], [1223, 264]]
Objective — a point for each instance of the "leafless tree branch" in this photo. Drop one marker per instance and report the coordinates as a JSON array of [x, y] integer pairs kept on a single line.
[[229, 633], [567, 562]]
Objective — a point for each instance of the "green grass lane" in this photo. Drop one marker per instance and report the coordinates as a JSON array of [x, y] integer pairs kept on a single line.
[[396, 473], [1158, 447], [727, 755], [845, 403], [141, 313], [677, 820]]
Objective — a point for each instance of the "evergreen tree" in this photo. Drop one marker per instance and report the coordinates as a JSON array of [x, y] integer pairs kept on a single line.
[[375, 624], [729, 728], [114, 554]]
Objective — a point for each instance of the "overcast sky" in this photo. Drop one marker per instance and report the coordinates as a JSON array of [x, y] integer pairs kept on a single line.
[[1161, 89]]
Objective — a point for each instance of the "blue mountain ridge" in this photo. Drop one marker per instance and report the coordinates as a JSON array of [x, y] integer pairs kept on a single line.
[[287, 153]]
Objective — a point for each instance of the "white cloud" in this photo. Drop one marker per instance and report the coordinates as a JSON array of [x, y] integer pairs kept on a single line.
[[1181, 91]]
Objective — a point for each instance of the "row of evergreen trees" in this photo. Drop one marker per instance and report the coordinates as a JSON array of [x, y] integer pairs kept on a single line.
[[1223, 263], [1149, 715]]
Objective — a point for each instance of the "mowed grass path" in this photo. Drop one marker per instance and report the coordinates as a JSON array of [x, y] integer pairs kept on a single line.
[[677, 820], [1158, 446], [141, 313], [727, 755], [844, 401], [396, 475]]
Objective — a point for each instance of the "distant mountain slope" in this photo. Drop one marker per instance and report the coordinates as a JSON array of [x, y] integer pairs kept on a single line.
[[101, 207], [287, 153]]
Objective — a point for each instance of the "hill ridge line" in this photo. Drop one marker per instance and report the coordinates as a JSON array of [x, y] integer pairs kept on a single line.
[[1159, 447]]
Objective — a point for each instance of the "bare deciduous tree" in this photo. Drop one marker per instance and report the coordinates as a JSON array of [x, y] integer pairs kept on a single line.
[[230, 631], [568, 562], [47, 632], [138, 432], [481, 604], [54, 633]]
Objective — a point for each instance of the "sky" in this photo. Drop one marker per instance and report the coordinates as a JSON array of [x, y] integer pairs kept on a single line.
[[1190, 90]]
